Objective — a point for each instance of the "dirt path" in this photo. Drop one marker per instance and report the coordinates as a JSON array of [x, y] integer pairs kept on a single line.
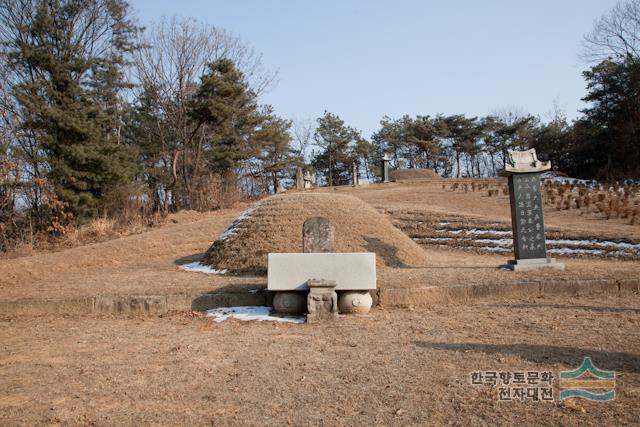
[[399, 367]]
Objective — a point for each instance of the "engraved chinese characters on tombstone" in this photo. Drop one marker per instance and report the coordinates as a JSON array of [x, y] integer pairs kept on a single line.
[[527, 216], [523, 170]]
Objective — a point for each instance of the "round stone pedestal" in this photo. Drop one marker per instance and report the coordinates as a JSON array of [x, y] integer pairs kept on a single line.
[[351, 302], [290, 302]]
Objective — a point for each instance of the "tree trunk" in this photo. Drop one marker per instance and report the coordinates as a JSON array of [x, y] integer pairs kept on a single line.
[[330, 168]]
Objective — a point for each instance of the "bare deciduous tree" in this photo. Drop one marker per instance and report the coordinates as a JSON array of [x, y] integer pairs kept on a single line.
[[174, 56], [302, 137], [616, 35]]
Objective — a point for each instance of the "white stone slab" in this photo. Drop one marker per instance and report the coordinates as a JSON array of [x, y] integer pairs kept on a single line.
[[351, 271]]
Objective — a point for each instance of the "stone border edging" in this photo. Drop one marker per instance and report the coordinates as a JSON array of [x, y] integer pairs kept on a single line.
[[390, 297], [466, 293]]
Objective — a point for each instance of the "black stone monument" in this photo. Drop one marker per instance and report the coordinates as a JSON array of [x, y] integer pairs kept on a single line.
[[527, 219], [523, 171]]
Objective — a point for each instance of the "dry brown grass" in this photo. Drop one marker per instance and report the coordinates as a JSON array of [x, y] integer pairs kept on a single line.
[[276, 226], [392, 367], [413, 174]]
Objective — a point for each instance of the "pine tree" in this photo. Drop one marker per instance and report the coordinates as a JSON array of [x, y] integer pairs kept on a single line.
[[73, 51], [227, 106], [274, 145], [337, 141]]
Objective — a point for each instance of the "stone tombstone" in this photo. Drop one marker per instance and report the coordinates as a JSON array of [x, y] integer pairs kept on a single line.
[[299, 179], [523, 171], [322, 300], [385, 168], [317, 235], [526, 216]]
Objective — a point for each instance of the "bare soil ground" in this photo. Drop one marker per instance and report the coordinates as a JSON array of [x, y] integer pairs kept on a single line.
[[398, 367]]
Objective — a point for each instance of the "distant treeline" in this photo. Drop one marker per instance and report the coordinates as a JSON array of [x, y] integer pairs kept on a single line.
[[102, 118]]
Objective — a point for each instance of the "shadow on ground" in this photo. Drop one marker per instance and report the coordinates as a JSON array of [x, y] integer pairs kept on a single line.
[[190, 258], [546, 354], [387, 252], [233, 296]]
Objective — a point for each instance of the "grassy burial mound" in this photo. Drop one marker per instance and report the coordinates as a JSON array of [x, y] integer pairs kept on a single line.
[[412, 174], [275, 225]]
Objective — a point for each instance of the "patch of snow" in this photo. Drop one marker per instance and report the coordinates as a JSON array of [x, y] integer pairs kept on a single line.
[[499, 242], [475, 231], [566, 251], [198, 267], [567, 246], [619, 253], [481, 231], [259, 313], [604, 243], [493, 248], [233, 228], [552, 177]]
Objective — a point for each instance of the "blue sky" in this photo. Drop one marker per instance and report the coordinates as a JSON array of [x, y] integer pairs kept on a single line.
[[364, 59]]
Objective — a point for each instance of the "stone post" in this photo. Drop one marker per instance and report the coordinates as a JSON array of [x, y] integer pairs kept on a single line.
[[299, 179], [523, 171], [354, 173], [385, 168]]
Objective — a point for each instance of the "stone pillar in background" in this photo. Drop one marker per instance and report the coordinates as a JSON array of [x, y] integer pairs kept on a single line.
[[523, 171], [299, 179], [385, 168], [354, 173], [317, 235], [322, 300], [308, 180]]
